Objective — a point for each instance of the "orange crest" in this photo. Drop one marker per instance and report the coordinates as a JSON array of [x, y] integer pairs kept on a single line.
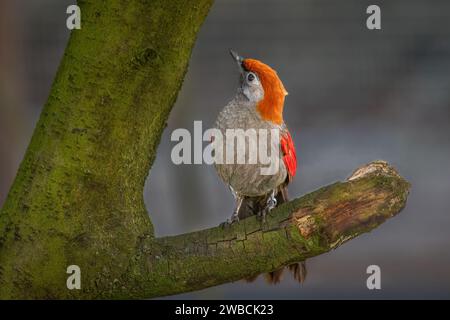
[[271, 107]]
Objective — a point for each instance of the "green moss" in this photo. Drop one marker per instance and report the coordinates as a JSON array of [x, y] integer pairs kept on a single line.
[[77, 197]]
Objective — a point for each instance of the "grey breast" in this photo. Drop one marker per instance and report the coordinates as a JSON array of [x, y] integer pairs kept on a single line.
[[247, 179]]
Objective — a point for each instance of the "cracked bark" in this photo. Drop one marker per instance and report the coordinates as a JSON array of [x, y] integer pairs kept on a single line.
[[303, 228], [77, 197]]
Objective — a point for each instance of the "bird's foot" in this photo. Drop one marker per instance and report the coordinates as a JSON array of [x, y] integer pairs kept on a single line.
[[271, 204], [234, 218]]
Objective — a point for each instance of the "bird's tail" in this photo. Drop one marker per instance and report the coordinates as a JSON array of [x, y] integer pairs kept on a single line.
[[254, 206]]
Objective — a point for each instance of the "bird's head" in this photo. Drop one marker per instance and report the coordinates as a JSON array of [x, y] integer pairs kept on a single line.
[[261, 85]]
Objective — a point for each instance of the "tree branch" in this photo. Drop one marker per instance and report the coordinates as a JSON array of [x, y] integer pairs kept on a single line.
[[78, 195], [300, 229]]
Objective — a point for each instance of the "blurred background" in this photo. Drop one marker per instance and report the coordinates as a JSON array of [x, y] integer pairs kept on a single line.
[[355, 95]]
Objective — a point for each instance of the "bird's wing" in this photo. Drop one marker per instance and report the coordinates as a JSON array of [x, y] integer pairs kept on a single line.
[[288, 153]]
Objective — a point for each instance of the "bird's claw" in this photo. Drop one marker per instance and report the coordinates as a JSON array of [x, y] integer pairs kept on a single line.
[[271, 203], [225, 224], [234, 218]]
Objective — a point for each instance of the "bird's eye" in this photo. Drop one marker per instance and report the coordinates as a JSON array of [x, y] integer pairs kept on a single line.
[[250, 77]]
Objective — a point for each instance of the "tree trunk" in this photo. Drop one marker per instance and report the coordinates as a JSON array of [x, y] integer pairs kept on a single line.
[[78, 196]]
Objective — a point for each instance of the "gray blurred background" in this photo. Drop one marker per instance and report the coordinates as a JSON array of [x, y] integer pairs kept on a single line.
[[354, 96]]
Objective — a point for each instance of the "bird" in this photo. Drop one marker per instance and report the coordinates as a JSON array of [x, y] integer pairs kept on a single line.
[[257, 105]]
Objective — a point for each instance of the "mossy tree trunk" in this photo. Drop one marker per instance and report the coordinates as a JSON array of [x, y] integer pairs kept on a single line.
[[78, 196]]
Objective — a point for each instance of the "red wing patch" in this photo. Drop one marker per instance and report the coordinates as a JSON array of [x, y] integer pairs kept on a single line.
[[289, 155]]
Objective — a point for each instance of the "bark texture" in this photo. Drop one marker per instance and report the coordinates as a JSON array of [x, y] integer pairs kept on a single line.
[[77, 198], [297, 230]]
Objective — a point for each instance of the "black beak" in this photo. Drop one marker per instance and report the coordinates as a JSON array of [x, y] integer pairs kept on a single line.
[[238, 60]]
